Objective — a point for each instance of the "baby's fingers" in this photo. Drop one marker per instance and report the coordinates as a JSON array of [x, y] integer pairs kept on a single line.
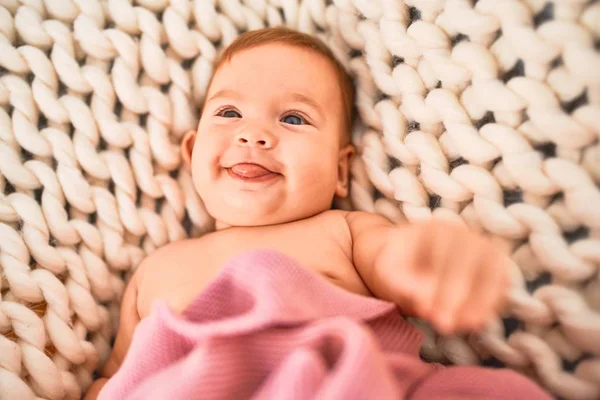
[[487, 294], [454, 289]]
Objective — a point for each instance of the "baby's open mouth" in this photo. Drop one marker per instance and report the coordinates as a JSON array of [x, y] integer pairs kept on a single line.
[[250, 172]]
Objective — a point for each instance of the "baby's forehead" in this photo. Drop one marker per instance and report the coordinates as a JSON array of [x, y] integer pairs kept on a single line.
[[285, 67], [278, 54]]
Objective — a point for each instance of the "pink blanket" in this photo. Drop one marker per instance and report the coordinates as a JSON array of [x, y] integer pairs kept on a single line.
[[267, 328]]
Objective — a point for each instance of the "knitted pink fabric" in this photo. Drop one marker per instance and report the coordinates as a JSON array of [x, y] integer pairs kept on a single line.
[[266, 328]]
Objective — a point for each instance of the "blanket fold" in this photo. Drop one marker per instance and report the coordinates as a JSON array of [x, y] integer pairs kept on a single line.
[[266, 328]]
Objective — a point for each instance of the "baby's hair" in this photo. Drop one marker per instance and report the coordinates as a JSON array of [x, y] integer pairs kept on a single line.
[[291, 37]]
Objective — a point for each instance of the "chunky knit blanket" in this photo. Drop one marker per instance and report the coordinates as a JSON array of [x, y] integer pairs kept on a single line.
[[487, 111]]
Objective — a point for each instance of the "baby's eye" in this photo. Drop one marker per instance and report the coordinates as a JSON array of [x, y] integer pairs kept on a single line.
[[229, 113], [293, 119]]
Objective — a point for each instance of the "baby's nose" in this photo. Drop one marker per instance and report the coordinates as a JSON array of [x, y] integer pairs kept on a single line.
[[260, 140]]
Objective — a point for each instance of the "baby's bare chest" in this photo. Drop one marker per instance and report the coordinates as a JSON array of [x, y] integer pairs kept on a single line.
[[183, 273]]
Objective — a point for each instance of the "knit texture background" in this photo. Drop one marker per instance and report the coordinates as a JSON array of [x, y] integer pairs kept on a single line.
[[484, 111]]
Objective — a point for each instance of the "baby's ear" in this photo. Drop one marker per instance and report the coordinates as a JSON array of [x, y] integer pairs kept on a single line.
[[187, 146], [344, 159]]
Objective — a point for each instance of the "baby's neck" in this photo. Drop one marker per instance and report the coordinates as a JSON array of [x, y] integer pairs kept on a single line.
[[219, 225]]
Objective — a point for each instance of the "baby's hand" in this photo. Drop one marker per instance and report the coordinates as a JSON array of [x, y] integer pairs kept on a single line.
[[445, 273]]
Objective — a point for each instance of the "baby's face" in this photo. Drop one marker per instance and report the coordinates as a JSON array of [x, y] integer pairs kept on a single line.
[[268, 148]]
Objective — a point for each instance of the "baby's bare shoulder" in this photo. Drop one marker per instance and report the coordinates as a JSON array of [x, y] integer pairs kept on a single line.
[[339, 225], [173, 273], [332, 217], [345, 222], [177, 252], [332, 223]]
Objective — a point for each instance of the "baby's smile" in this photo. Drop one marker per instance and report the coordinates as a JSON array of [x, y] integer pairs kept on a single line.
[[251, 172]]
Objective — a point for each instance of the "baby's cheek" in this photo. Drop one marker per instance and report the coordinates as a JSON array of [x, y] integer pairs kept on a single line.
[[317, 179], [198, 166], [205, 158]]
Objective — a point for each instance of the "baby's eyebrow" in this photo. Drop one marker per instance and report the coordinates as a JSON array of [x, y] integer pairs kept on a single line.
[[224, 93], [299, 97]]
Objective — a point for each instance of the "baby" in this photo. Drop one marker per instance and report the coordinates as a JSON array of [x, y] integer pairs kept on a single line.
[[271, 152]]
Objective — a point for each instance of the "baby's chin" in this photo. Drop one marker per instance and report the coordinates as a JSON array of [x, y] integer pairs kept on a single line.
[[257, 214], [248, 217], [268, 206], [247, 210]]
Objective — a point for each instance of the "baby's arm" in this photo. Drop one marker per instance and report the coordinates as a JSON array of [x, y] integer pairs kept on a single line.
[[128, 321], [439, 270], [369, 232]]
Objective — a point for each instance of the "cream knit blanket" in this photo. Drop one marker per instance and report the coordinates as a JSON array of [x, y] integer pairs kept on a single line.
[[483, 110]]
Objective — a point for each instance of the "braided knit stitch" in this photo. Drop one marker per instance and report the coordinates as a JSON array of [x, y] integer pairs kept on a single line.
[[483, 111]]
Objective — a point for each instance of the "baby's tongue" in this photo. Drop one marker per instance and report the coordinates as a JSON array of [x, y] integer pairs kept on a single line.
[[249, 171]]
